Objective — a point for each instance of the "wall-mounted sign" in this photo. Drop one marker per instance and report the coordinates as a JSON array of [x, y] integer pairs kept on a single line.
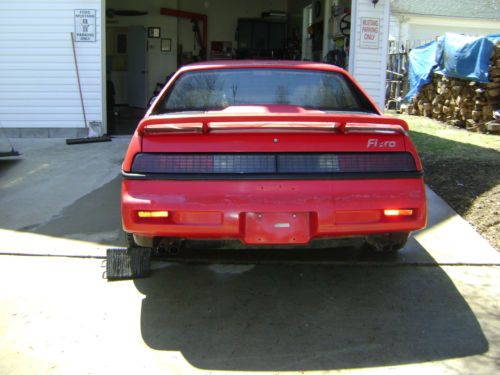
[[154, 32], [166, 45], [370, 33], [85, 25]]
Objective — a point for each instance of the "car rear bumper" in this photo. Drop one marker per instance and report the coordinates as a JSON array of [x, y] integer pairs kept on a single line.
[[272, 212]]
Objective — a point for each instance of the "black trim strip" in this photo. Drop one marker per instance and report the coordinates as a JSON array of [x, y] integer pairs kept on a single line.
[[272, 176]]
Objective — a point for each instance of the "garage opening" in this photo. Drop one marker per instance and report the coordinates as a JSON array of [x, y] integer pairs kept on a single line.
[[148, 41]]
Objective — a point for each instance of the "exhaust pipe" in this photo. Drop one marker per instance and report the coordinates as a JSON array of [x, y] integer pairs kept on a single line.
[[170, 246]]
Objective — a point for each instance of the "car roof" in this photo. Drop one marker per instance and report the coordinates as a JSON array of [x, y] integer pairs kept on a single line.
[[283, 64]]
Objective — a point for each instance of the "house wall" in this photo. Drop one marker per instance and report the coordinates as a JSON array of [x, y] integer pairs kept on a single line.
[[394, 28], [419, 28], [38, 86], [368, 65]]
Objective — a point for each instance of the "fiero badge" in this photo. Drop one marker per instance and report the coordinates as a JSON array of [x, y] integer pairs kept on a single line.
[[375, 143]]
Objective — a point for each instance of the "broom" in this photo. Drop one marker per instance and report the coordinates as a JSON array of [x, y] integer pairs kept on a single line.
[[91, 137], [12, 151]]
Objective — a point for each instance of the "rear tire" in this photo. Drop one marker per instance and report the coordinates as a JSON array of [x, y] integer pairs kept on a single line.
[[130, 240], [387, 243]]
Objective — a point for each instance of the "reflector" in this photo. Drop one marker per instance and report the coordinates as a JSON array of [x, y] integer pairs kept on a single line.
[[145, 214]]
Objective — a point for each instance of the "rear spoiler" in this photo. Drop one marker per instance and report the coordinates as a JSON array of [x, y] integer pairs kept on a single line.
[[160, 125]]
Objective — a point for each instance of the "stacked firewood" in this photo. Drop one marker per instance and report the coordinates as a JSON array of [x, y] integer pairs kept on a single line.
[[466, 104]]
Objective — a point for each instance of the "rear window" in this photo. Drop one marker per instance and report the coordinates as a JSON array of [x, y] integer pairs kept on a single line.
[[220, 88]]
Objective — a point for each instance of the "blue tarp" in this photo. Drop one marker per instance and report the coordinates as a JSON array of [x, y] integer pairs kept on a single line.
[[452, 55], [422, 61]]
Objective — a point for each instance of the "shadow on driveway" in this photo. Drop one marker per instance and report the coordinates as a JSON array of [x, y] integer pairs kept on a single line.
[[95, 217], [349, 313], [306, 316], [336, 309]]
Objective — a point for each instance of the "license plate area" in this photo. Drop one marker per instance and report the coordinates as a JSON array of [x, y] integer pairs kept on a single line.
[[277, 228]]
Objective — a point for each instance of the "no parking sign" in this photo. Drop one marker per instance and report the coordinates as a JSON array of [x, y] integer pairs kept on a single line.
[[370, 33]]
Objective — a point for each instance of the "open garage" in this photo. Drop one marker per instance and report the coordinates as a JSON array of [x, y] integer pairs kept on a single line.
[[122, 52]]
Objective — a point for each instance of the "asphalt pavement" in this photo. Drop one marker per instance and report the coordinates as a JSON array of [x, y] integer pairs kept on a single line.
[[433, 307]]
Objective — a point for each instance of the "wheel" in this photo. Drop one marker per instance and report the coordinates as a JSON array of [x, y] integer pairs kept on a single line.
[[345, 24], [387, 243], [130, 240]]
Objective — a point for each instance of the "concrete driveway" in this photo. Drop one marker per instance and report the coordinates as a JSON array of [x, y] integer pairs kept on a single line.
[[433, 308]]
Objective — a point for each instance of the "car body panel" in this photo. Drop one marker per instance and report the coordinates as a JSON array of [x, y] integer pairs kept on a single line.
[[335, 208], [260, 210]]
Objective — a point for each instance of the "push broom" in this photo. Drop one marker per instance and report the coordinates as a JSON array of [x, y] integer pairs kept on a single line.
[[91, 135]]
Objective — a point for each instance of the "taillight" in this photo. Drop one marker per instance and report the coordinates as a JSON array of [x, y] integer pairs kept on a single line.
[[266, 163], [399, 212], [152, 214], [204, 163], [308, 163], [377, 162]]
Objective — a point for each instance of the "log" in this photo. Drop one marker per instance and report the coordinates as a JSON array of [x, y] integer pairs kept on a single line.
[[461, 103], [493, 127], [493, 93]]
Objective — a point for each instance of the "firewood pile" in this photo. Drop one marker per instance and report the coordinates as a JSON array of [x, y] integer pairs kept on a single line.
[[466, 104]]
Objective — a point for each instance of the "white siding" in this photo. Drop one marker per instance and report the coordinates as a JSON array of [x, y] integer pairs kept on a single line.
[[38, 85], [394, 28], [368, 66]]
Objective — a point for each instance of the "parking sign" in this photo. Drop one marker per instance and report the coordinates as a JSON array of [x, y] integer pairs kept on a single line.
[[85, 25]]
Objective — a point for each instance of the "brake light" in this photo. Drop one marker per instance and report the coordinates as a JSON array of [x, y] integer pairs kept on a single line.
[[282, 126], [354, 127], [404, 212], [190, 128]]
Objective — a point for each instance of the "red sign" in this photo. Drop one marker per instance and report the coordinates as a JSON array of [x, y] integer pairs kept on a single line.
[[370, 33]]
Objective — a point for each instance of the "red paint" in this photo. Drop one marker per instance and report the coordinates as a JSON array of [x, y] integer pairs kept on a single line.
[[234, 199], [277, 228], [230, 209]]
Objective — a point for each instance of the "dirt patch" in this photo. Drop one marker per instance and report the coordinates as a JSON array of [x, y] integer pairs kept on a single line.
[[471, 189], [463, 168]]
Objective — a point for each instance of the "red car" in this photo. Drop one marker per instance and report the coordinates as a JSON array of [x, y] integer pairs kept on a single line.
[[270, 152]]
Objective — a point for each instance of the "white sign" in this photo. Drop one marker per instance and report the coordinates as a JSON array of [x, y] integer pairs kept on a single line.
[[370, 32], [85, 20]]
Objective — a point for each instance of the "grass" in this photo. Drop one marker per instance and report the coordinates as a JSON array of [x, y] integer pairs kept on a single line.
[[438, 146], [463, 168]]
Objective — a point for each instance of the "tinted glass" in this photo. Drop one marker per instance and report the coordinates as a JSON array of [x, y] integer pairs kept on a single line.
[[221, 88]]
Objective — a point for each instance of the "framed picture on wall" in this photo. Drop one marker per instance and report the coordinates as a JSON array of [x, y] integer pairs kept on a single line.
[[154, 32], [166, 45]]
